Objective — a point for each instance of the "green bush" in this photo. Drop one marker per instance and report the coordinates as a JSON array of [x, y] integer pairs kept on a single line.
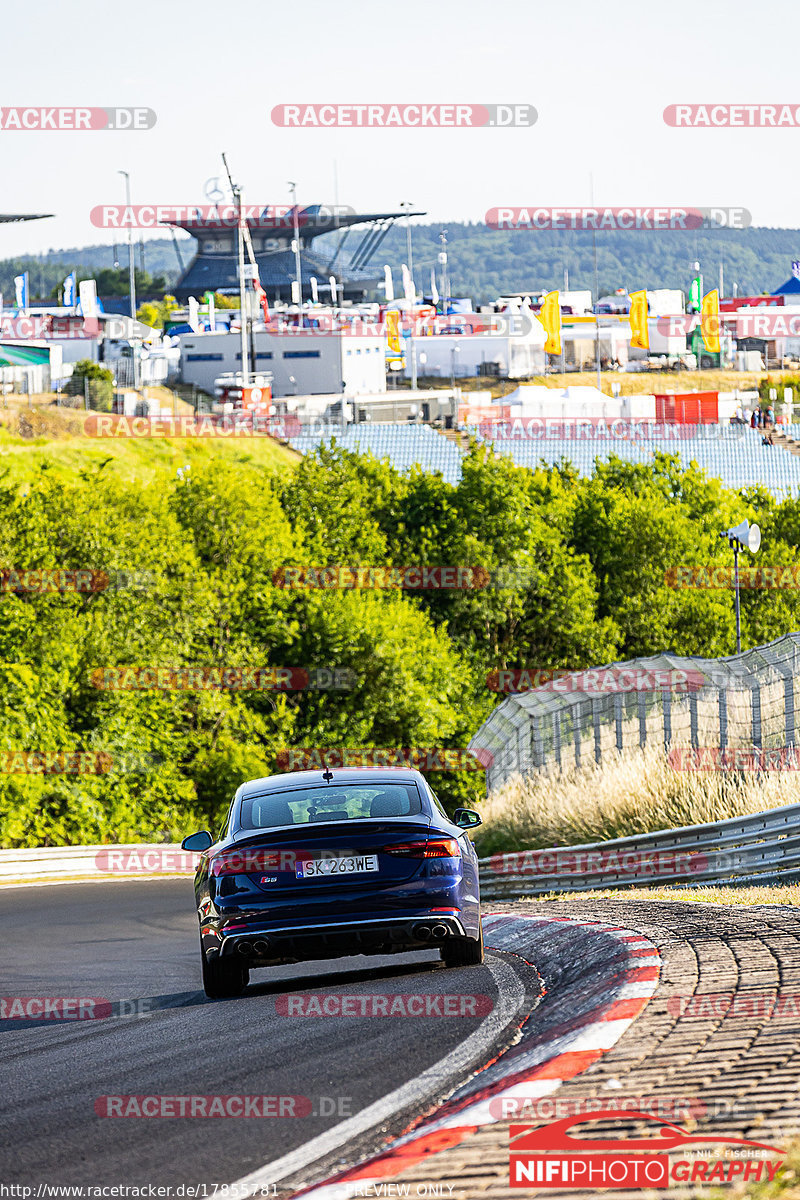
[[101, 384]]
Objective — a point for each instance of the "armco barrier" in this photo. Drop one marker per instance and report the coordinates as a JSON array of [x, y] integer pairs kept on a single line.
[[46, 863], [762, 848]]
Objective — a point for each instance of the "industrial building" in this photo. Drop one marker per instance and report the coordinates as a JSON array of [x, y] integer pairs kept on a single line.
[[302, 362]]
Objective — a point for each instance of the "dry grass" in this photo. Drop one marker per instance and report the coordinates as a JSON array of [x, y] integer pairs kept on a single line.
[[634, 383], [33, 437], [636, 793], [786, 893], [786, 1184]]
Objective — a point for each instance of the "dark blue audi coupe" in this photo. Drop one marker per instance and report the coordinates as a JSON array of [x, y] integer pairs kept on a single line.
[[324, 864]]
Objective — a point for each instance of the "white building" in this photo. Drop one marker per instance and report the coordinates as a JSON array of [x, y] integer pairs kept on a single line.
[[302, 363], [575, 403], [512, 347], [579, 347]]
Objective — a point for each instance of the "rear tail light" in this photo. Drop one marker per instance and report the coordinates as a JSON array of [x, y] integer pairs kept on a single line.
[[244, 861], [435, 848]]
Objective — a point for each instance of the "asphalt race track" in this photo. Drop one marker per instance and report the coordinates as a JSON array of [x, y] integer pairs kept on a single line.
[[137, 943], [721, 1033]]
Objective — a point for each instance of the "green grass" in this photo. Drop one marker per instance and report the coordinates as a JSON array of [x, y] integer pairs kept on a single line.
[[59, 444]]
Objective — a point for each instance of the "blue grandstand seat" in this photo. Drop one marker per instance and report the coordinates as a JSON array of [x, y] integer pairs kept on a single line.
[[733, 454]]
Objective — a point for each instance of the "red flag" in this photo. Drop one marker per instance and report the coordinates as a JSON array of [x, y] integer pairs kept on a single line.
[[262, 299]]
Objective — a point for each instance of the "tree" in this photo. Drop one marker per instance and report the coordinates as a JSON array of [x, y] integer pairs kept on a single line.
[[155, 313], [100, 390]]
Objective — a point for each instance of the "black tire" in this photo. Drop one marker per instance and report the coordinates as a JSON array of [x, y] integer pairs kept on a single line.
[[464, 952], [224, 977]]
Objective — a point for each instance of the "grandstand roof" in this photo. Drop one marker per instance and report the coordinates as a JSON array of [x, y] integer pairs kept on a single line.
[[313, 220], [4, 217], [791, 287], [276, 272], [216, 269]]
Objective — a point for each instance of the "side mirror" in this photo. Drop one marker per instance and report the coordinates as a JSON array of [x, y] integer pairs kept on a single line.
[[197, 842], [466, 818]]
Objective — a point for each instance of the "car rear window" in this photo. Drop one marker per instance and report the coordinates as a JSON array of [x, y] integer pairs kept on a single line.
[[311, 805]]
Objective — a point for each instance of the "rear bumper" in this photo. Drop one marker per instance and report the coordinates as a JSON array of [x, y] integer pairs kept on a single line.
[[263, 943]]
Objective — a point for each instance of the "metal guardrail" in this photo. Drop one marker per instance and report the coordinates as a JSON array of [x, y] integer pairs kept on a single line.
[[762, 848], [51, 863]]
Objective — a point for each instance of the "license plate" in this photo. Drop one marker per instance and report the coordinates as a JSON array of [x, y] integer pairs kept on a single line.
[[355, 865]]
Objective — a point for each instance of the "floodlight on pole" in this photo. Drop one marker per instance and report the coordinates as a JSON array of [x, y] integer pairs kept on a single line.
[[298, 289], [407, 206], [747, 536], [238, 196]]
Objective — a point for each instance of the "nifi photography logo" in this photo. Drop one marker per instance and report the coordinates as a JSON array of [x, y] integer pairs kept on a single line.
[[549, 1156]]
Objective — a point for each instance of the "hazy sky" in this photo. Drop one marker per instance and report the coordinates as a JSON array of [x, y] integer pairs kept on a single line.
[[599, 74]]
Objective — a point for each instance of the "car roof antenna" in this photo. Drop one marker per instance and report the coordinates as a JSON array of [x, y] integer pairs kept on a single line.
[[327, 775]]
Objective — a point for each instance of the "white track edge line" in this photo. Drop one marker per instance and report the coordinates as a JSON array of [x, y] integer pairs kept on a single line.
[[511, 995]]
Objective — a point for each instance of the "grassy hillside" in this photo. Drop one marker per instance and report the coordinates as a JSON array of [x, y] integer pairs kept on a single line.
[[39, 436]]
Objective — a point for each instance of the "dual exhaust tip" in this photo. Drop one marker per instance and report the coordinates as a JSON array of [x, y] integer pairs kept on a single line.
[[431, 933], [260, 948]]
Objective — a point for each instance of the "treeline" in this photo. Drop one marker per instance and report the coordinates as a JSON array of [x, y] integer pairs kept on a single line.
[[47, 274], [485, 263], [183, 573]]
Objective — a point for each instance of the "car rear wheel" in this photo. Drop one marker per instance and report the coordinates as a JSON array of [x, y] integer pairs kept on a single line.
[[224, 977], [466, 952]]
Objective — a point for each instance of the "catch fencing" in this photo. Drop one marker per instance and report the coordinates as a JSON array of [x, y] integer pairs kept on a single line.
[[580, 717]]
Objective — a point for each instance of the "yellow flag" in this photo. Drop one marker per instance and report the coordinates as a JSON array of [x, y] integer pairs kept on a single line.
[[640, 334], [709, 321], [550, 316], [392, 331]]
